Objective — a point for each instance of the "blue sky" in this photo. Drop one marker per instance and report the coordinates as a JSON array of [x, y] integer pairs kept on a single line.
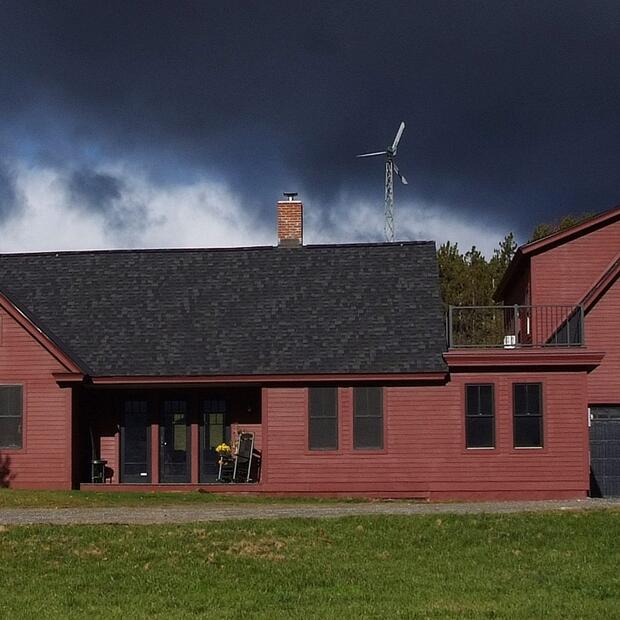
[[141, 124]]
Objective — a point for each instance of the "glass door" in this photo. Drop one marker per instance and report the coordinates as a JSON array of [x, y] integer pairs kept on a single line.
[[135, 442], [214, 431], [174, 443]]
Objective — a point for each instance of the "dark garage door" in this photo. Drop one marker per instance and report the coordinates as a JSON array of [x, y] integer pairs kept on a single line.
[[605, 451]]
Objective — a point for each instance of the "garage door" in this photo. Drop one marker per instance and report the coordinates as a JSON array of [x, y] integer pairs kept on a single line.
[[605, 451]]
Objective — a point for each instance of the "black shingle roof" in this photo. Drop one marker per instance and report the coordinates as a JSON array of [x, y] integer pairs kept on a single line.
[[364, 308]]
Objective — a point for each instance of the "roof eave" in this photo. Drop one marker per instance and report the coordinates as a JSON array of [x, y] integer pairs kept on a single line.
[[385, 378], [48, 343]]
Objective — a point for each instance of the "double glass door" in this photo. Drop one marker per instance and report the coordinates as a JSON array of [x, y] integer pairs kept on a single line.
[[174, 439]]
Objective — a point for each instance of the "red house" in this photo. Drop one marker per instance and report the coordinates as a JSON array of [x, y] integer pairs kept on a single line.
[[337, 360]]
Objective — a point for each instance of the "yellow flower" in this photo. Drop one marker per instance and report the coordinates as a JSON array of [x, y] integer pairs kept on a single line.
[[222, 449]]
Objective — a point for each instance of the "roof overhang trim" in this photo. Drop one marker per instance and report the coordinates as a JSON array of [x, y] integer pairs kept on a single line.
[[502, 359], [270, 379]]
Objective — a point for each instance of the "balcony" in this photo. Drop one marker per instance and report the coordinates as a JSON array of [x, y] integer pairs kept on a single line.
[[514, 327]]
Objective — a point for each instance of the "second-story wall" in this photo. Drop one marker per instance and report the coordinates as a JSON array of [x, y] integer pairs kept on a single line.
[[564, 274]]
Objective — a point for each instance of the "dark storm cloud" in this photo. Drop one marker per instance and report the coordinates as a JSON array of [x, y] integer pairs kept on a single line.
[[103, 193], [95, 190], [512, 107]]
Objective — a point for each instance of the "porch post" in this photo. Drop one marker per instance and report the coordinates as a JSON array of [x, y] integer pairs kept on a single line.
[[155, 453], [195, 453], [264, 406]]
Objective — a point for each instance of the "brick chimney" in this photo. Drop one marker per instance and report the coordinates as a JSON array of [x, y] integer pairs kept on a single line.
[[290, 221]]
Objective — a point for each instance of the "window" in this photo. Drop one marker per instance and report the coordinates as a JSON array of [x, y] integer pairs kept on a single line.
[[11, 410], [528, 415], [479, 416], [323, 418], [214, 422], [367, 417]]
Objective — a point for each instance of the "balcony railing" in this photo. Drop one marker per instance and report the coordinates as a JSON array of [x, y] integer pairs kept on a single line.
[[513, 327]]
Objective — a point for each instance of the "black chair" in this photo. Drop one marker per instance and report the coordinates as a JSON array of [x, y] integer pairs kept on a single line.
[[98, 471], [226, 469], [246, 460]]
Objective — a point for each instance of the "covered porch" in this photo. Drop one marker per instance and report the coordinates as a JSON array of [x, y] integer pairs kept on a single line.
[[154, 436]]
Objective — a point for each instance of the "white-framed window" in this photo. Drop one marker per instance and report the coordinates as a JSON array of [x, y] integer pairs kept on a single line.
[[11, 416]]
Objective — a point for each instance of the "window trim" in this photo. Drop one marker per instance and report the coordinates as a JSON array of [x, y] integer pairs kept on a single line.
[[493, 416], [375, 449], [22, 447], [541, 415], [330, 450]]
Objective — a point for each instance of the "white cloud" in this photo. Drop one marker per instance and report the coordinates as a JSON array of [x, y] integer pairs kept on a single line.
[[358, 220], [200, 214], [204, 214]]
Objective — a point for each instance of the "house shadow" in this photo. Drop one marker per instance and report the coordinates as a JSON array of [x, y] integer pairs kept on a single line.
[[595, 489], [5, 471]]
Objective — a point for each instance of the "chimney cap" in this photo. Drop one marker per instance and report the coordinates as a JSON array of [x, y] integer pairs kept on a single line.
[[290, 195]]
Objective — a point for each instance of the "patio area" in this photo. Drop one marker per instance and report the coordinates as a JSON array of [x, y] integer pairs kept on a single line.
[[168, 437]]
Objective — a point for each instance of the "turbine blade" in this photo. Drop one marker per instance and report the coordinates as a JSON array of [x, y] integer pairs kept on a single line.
[[372, 154], [399, 133], [400, 176]]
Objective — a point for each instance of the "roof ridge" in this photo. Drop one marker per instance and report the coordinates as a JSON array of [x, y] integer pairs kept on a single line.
[[212, 249], [599, 218]]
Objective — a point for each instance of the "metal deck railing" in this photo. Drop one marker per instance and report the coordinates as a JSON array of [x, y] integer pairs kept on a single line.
[[513, 327]]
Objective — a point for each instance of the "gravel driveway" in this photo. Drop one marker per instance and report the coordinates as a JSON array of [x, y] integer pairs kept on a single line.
[[188, 514]]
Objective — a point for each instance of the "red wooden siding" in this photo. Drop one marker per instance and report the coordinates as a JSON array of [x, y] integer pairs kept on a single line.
[[109, 447], [603, 334], [45, 458], [424, 453], [236, 429], [564, 274]]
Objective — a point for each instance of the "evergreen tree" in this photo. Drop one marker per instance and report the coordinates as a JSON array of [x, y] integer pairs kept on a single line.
[[470, 279], [452, 274], [546, 229], [501, 259]]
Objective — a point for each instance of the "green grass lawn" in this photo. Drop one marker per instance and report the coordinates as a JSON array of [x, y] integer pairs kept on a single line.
[[553, 565], [19, 498]]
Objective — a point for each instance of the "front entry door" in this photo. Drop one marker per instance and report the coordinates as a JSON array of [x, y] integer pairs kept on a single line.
[[214, 431], [135, 442], [174, 443]]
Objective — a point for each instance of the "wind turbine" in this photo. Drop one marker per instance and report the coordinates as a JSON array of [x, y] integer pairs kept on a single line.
[[390, 169]]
